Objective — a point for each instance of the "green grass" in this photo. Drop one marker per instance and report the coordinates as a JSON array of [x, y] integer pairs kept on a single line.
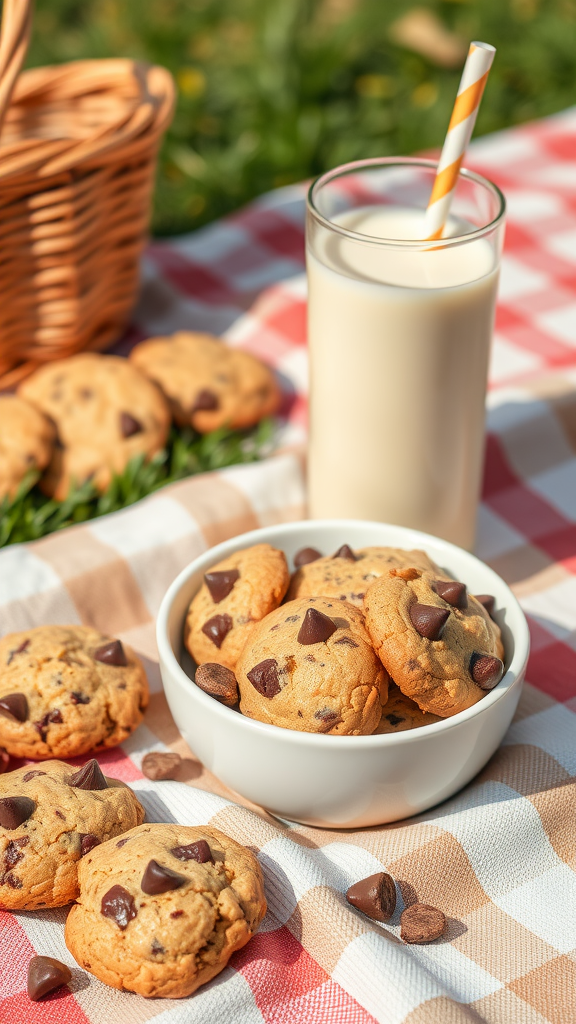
[[30, 515], [274, 91]]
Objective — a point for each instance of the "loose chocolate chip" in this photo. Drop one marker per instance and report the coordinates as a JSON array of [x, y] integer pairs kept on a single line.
[[488, 601], [264, 678], [4, 760], [157, 879], [14, 810], [375, 896], [346, 641], [485, 670], [305, 556], [87, 843], [198, 851], [13, 852], [32, 775], [217, 629], [129, 425], [316, 627], [17, 650], [15, 706], [176, 913], [221, 583], [111, 653], [118, 905], [421, 923], [79, 698], [394, 719], [156, 765], [88, 777], [452, 592], [428, 620], [218, 681], [44, 975], [345, 552], [157, 947], [205, 401]]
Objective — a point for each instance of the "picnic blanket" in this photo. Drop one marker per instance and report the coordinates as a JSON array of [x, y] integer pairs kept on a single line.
[[499, 858]]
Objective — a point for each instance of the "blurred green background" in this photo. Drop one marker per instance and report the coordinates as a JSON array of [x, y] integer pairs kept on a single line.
[[275, 91]]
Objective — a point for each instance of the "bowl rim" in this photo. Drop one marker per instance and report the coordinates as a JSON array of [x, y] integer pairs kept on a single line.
[[407, 537]]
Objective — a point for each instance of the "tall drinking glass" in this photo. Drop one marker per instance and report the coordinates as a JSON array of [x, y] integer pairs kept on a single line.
[[399, 333]]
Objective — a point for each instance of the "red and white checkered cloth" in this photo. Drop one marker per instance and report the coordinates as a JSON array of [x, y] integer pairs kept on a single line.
[[500, 857]]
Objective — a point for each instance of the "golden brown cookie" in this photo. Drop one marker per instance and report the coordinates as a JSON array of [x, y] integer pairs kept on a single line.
[[106, 412], [400, 714], [26, 442], [208, 383], [348, 574], [437, 641], [161, 911], [50, 818], [65, 690], [235, 595], [310, 666]]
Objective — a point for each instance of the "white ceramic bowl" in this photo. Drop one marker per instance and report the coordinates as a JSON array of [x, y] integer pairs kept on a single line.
[[341, 781]]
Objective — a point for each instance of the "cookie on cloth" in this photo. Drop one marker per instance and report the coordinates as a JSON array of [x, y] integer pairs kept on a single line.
[[347, 574], [65, 690], [161, 911], [208, 383], [26, 442], [50, 818], [236, 594], [106, 412], [400, 714], [437, 641], [310, 666]]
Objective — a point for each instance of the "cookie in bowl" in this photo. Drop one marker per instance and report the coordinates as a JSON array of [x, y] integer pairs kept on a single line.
[[310, 666], [400, 714], [26, 442], [65, 690]]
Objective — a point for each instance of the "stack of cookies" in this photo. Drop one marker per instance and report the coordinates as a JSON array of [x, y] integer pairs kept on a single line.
[[377, 640]]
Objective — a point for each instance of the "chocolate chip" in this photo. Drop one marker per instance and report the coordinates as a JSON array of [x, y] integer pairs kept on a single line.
[[421, 923], [264, 678], [176, 913], [4, 760], [13, 881], [54, 716], [122, 842], [18, 650], [14, 810], [221, 583], [129, 425], [488, 601], [87, 843], [452, 592], [485, 670], [79, 698], [157, 948], [156, 765], [157, 879], [118, 905], [60, 815], [15, 706], [111, 653], [13, 852], [305, 556], [316, 627], [44, 975], [88, 777], [205, 401], [345, 552], [198, 851], [428, 620], [375, 896], [290, 618], [394, 719], [328, 717], [32, 775], [218, 681], [347, 641], [217, 629]]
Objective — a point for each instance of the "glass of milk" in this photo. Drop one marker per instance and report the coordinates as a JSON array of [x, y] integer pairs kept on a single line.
[[399, 333]]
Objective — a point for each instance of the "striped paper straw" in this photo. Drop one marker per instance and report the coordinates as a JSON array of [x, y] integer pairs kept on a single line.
[[474, 76]]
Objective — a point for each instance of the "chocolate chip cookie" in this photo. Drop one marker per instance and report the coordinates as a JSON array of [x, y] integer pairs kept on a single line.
[[235, 595], [347, 574], [65, 690], [438, 642], [208, 383], [50, 818], [161, 911], [106, 412], [310, 666], [26, 442], [400, 714]]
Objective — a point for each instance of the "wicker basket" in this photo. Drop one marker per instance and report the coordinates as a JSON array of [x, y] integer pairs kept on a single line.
[[78, 147]]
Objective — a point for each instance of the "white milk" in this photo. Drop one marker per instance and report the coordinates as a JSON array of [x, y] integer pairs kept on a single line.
[[399, 345]]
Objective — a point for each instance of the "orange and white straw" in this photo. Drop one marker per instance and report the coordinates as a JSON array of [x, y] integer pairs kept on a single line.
[[474, 76]]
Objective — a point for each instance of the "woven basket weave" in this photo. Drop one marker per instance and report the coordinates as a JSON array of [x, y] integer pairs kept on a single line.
[[78, 147]]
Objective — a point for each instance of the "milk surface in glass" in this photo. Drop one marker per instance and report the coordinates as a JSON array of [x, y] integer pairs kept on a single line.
[[399, 343]]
